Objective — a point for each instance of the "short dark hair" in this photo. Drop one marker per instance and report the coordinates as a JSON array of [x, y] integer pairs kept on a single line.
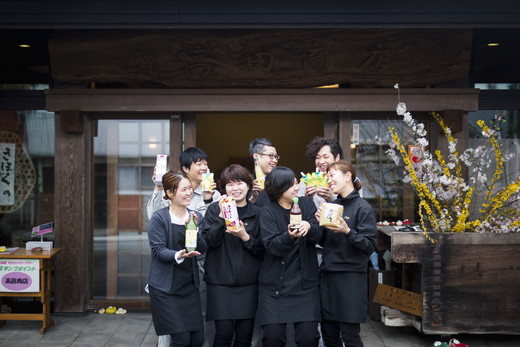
[[191, 155], [170, 181], [235, 173], [316, 143], [278, 181], [258, 144]]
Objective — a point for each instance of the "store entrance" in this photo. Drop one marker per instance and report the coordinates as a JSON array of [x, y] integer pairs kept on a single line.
[[124, 153], [226, 137]]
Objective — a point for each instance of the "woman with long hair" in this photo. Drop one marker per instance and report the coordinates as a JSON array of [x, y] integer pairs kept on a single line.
[[289, 277], [173, 281], [346, 252], [232, 262]]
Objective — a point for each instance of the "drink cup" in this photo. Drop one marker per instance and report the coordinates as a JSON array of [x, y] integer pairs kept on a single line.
[[230, 213], [207, 182]]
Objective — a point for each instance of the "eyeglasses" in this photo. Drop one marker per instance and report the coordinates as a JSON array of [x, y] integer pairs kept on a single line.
[[272, 156]]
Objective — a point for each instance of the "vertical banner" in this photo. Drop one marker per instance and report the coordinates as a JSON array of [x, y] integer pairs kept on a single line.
[[20, 275], [7, 160], [355, 134]]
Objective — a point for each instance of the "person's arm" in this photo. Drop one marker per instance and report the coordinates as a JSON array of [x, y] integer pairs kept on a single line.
[[213, 226], [315, 233], [254, 245], [157, 236], [156, 202], [202, 245], [277, 242], [363, 235]]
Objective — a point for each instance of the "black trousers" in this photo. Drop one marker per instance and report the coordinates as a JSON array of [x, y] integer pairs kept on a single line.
[[187, 339], [306, 334], [239, 329], [333, 331]]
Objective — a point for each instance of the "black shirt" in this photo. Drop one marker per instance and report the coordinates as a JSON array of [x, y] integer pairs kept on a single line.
[[351, 252], [229, 260]]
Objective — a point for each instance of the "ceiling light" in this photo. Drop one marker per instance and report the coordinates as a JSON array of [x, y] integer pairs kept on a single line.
[[329, 86], [493, 44], [24, 46]]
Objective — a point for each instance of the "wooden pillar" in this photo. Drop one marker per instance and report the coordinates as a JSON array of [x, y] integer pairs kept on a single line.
[[330, 125], [175, 141], [345, 134], [71, 197], [190, 131]]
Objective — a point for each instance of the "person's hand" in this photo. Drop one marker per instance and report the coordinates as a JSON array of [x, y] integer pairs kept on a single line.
[[241, 233], [183, 254], [157, 185], [319, 211], [220, 201], [195, 218], [343, 227], [325, 193], [301, 231], [257, 188], [310, 190], [209, 195]]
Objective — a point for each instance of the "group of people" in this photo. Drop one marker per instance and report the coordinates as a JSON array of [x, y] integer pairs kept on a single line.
[[264, 273]]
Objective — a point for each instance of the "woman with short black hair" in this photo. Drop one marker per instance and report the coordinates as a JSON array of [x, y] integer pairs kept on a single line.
[[232, 262], [289, 278]]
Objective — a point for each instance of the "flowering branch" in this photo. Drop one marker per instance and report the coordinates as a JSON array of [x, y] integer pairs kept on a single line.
[[447, 200]]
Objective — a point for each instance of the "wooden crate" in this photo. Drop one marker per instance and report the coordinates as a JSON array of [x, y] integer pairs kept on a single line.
[[469, 282]]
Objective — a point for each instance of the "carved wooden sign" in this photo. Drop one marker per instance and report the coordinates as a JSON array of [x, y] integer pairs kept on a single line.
[[291, 58]]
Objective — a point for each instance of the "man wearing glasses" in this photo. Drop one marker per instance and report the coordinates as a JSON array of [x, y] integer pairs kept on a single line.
[[263, 152]]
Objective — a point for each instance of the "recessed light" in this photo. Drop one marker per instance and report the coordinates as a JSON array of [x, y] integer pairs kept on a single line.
[[493, 44], [24, 46]]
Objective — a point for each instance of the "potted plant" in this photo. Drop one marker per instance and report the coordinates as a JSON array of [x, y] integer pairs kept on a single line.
[[469, 250]]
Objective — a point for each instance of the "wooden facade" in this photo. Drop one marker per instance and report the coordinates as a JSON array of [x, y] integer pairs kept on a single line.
[[73, 181]]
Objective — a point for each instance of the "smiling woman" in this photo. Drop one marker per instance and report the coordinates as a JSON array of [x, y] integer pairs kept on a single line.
[[232, 261]]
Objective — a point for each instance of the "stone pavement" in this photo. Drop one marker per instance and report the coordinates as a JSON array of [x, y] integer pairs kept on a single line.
[[136, 329]]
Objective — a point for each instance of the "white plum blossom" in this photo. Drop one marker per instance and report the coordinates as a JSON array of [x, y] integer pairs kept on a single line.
[[445, 180], [420, 130], [450, 166], [452, 146], [401, 108], [481, 177], [427, 162], [422, 141]]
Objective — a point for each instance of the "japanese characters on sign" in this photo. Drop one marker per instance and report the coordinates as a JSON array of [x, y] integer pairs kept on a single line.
[[42, 229], [20, 275], [7, 160]]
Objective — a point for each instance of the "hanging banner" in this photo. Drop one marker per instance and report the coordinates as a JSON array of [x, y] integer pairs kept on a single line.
[[17, 173], [20, 275], [7, 162]]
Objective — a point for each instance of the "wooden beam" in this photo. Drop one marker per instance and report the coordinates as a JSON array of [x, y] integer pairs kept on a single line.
[[259, 100]]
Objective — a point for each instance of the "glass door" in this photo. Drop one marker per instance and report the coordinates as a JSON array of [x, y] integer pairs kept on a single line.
[[124, 153], [382, 180]]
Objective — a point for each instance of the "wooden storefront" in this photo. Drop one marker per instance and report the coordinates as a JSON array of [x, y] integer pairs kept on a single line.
[[74, 110]]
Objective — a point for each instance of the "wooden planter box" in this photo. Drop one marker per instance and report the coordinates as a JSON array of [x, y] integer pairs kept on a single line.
[[469, 282]]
